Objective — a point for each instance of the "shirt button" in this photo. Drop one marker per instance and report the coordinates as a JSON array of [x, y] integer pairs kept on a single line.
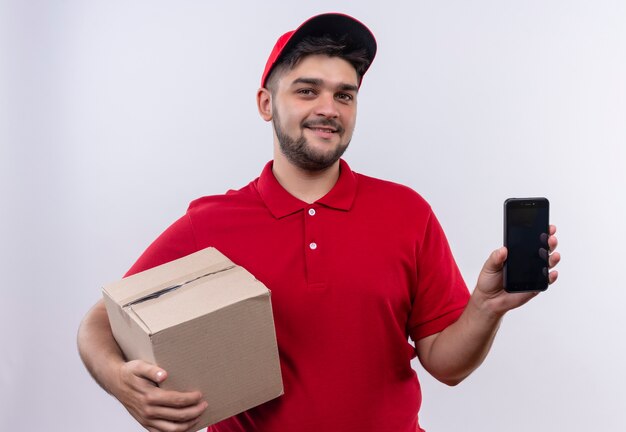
[[312, 212], [313, 246]]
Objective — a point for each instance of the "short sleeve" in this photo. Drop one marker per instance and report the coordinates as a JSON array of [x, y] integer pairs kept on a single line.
[[441, 294], [175, 242]]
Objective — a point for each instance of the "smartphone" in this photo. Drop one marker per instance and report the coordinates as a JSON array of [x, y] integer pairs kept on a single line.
[[526, 225]]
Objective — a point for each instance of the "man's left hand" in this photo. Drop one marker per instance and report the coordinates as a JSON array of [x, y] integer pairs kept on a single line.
[[490, 290]]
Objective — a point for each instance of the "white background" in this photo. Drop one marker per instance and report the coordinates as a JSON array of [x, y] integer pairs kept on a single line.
[[115, 114]]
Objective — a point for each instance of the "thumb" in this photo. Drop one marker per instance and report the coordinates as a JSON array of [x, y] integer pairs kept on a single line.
[[496, 260], [159, 375], [149, 371]]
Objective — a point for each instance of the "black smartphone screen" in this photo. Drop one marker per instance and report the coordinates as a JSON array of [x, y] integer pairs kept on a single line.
[[526, 223]]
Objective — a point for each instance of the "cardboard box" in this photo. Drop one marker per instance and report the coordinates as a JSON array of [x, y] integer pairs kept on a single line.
[[208, 323]]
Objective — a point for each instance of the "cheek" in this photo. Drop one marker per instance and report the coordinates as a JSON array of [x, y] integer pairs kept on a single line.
[[349, 120], [293, 116]]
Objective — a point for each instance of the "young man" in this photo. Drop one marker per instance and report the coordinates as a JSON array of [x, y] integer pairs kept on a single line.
[[356, 265]]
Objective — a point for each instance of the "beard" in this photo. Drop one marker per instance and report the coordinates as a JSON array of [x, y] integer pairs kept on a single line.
[[300, 153]]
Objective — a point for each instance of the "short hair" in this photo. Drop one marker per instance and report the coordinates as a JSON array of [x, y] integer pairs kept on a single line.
[[324, 45]]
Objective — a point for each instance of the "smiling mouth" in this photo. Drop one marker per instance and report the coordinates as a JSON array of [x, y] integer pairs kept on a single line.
[[323, 130], [323, 133], [326, 127]]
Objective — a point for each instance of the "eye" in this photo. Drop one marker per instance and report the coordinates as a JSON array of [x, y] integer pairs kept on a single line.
[[306, 92], [345, 97]]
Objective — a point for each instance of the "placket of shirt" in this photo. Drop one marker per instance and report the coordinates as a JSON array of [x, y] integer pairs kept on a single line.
[[314, 248]]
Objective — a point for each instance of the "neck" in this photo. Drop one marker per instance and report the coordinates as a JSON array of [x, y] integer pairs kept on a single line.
[[307, 186]]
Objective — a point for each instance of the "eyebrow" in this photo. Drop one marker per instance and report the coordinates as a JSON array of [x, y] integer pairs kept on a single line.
[[319, 82]]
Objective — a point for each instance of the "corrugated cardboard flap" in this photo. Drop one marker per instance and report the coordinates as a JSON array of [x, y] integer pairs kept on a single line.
[[198, 298], [194, 285], [172, 273]]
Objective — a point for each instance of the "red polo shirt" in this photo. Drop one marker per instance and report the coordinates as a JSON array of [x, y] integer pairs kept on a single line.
[[353, 276]]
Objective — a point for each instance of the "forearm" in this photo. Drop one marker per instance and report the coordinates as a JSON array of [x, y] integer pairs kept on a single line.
[[453, 354], [98, 349]]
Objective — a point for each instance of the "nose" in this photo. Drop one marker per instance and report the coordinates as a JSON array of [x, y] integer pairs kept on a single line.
[[327, 105]]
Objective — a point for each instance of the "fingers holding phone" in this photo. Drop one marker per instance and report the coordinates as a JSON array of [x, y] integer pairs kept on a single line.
[[554, 257]]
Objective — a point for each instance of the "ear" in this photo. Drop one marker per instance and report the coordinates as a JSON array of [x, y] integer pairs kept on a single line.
[[264, 103]]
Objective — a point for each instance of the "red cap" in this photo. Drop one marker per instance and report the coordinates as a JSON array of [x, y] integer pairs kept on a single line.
[[333, 24]]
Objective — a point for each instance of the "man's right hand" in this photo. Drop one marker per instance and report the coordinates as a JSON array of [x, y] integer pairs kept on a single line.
[[156, 409], [136, 383]]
